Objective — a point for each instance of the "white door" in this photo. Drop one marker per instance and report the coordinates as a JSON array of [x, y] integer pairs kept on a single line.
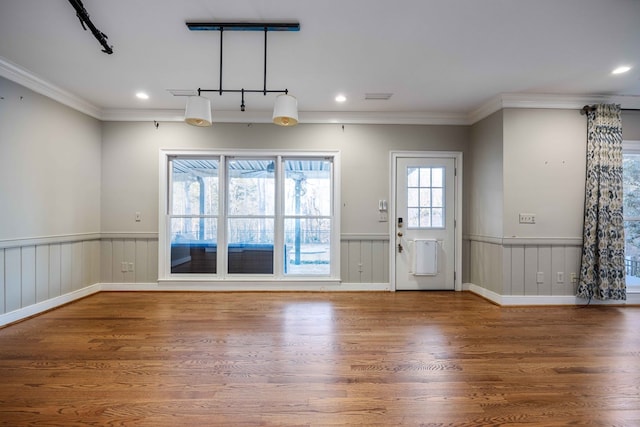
[[424, 223]]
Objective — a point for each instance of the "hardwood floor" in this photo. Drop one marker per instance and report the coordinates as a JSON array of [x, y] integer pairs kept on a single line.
[[387, 359]]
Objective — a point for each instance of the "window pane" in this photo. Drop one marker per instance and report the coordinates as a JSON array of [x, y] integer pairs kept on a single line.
[[250, 247], [437, 219], [437, 174], [193, 245], [413, 199], [251, 187], [413, 175], [413, 220], [437, 198], [631, 209], [425, 198], [307, 187], [425, 177], [307, 246], [194, 189], [425, 217], [631, 185]]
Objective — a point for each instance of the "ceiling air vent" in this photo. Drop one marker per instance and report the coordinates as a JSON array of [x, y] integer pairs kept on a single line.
[[182, 92], [377, 96]]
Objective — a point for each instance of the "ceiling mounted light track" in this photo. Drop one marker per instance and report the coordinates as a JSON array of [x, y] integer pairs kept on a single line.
[[285, 112]]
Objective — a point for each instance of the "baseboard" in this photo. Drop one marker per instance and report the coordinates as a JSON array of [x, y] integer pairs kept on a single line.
[[227, 286], [518, 300], [484, 293], [41, 307], [502, 300]]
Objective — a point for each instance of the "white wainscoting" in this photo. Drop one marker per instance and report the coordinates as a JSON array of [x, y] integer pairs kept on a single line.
[[364, 258], [33, 271], [139, 253], [524, 271], [42, 273]]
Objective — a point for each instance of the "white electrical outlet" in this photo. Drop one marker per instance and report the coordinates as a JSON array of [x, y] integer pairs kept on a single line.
[[540, 277], [527, 218], [574, 278], [560, 277]]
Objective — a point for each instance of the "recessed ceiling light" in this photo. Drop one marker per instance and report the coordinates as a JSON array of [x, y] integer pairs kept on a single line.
[[142, 95], [341, 98], [621, 70]]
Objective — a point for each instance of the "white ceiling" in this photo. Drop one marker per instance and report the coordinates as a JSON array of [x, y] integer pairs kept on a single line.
[[438, 57]]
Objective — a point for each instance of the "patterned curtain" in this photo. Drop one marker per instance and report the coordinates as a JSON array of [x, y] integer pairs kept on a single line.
[[602, 272]]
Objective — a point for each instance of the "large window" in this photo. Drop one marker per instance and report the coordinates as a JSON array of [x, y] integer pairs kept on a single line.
[[251, 216], [631, 199]]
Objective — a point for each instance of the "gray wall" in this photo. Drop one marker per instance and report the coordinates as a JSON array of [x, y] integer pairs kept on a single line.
[[544, 172], [486, 200], [631, 125], [485, 169], [130, 154], [50, 164]]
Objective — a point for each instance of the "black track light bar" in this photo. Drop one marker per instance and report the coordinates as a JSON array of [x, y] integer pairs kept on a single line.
[[243, 26]]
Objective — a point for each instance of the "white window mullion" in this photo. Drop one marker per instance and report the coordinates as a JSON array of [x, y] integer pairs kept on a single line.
[[278, 244], [222, 217]]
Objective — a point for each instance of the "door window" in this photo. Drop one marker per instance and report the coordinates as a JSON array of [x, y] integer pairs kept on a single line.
[[425, 197]]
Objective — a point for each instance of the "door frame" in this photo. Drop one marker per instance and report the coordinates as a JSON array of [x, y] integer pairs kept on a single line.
[[457, 157]]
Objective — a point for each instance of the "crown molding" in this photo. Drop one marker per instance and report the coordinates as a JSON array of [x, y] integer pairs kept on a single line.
[[37, 84], [548, 101], [342, 117]]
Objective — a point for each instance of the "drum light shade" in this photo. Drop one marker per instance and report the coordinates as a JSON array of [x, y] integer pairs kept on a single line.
[[285, 110], [198, 111]]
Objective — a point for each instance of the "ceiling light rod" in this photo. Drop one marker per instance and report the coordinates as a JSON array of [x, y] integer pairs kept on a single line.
[[222, 27], [243, 26], [285, 111]]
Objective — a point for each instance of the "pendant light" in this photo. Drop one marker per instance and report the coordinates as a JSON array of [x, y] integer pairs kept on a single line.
[[198, 111], [285, 110]]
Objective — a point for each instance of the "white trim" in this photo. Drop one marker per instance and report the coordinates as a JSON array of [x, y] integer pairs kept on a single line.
[[82, 237], [344, 237], [19, 75], [234, 286], [41, 307], [164, 271], [483, 239], [525, 241], [129, 235], [533, 300], [483, 292], [547, 101], [629, 146], [29, 80], [457, 157], [47, 240], [542, 241]]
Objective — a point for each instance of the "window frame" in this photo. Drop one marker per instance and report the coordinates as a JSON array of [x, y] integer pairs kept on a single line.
[[279, 156], [630, 147]]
